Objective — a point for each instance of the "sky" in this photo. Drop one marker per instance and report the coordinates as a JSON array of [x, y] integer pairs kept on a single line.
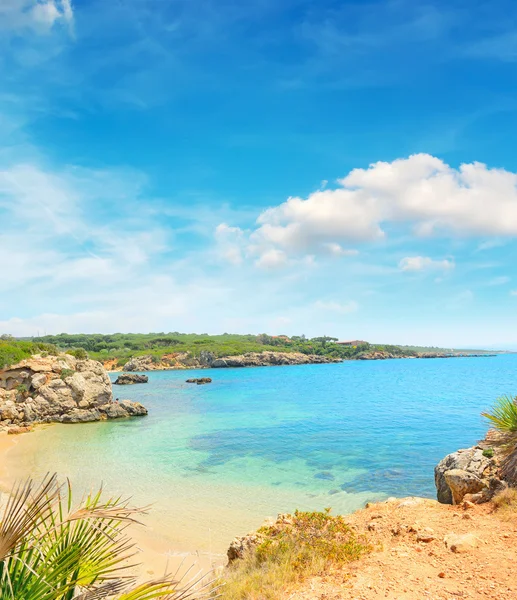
[[280, 166]]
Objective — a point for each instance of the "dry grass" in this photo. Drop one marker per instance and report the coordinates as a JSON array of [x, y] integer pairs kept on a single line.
[[309, 544], [505, 503]]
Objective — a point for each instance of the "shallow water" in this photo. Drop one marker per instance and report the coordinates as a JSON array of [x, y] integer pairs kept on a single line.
[[217, 459]]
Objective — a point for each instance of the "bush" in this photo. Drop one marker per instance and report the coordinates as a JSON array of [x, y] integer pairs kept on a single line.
[[79, 353], [22, 389], [488, 452], [66, 373], [310, 544]]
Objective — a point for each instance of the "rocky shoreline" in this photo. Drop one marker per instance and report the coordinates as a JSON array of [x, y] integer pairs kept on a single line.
[[207, 360], [58, 389]]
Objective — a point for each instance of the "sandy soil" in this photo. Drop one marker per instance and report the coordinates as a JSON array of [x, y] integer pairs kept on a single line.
[[404, 568]]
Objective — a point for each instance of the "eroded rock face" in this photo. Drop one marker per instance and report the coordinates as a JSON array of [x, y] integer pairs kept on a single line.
[[59, 389], [130, 379], [464, 472]]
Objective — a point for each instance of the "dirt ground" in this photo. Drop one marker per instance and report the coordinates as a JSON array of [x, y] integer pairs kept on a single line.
[[412, 560]]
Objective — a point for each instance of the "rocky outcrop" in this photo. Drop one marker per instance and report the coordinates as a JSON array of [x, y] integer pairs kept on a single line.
[[59, 389], [268, 359], [130, 379], [200, 380], [467, 474]]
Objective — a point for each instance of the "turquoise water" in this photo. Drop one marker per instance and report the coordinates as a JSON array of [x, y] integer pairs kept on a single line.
[[217, 459]]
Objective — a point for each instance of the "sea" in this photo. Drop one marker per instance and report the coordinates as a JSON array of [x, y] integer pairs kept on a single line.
[[213, 461]]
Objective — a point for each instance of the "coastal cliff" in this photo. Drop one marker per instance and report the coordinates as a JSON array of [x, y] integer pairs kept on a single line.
[[205, 360], [270, 358], [60, 389]]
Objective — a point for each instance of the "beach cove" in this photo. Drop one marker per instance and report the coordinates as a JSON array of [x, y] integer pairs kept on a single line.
[[216, 460]]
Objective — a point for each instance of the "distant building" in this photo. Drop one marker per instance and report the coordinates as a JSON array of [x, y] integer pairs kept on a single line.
[[352, 343]]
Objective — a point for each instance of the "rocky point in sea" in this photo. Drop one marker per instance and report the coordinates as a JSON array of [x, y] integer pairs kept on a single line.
[[130, 379], [59, 389]]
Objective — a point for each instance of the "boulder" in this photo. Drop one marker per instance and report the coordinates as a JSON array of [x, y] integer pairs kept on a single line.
[[470, 460], [59, 389], [461, 543], [462, 482], [200, 380], [130, 379], [134, 409]]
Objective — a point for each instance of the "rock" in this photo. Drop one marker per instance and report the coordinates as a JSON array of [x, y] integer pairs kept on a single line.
[[241, 546], [462, 482], [78, 415], [426, 536], [59, 389], [134, 409], [18, 430], [470, 460], [130, 379], [461, 543], [200, 380], [114, 411]]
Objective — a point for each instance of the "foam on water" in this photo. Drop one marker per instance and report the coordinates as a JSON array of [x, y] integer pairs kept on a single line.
[[215, 460]]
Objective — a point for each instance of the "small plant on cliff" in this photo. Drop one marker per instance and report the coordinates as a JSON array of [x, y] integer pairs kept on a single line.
[[50, 551], [79, 353], [503, 417], [22, 389], [307, 544], [67, 373]]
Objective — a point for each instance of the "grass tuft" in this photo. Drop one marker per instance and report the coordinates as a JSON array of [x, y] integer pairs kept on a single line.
[[307, 544]]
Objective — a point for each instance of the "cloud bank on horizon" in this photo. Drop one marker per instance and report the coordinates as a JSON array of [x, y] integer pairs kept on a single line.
[[166, 174]]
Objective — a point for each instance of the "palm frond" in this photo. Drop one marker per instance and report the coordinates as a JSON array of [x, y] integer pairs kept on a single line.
[[503, 415]]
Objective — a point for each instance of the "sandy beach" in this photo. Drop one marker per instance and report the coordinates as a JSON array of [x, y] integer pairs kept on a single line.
[[157, 555]]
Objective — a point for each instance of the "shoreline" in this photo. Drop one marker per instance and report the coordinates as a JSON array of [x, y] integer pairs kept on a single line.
[[157, 554], [182, 367]]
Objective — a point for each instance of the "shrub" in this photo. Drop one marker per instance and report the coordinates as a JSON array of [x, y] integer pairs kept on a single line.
[[488, 452], [66, 373], [79, 353], [22, 389], [309, 545]]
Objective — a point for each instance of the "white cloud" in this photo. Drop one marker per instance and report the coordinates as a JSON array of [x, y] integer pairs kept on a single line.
[[337, 307], [38, 15], [421, 192], [513, 293], [337, 250], [230, 243], [423, 263], [272, 259]]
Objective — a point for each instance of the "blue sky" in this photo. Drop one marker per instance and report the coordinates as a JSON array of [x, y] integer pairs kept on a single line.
[[339, 168]]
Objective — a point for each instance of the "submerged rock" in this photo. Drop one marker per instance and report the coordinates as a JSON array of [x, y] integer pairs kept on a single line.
[[130, 379]]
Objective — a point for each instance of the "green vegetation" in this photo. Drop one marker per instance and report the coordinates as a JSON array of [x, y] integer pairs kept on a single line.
[[50, 551], [311, 544], [123, 346], [22, 389], [66, 373], [488, 452], [13, 351], [503, 415], [79, 353]]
